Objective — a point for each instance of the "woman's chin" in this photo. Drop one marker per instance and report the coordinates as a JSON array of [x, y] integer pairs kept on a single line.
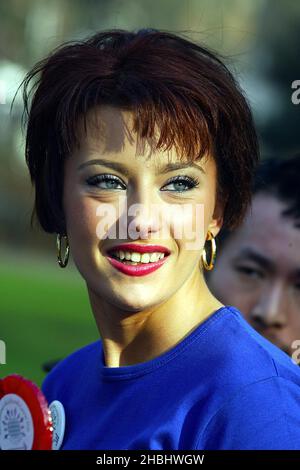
[[136, 304]]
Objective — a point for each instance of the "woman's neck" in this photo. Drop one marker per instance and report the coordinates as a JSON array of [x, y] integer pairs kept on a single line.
[[132, 337]]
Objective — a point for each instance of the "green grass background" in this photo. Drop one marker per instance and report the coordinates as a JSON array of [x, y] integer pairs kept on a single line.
[[44, 313]]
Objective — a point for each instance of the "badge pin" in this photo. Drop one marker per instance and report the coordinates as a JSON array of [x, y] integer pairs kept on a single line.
[[25, 423], [58, 423], [16, 432]]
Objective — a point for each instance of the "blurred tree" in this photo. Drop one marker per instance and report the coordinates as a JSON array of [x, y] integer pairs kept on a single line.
[[278, 53]]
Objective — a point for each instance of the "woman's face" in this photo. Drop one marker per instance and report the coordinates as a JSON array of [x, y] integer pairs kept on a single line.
[[109, 171]]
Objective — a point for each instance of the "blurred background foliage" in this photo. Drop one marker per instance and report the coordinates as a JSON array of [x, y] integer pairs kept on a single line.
[[44, 311]]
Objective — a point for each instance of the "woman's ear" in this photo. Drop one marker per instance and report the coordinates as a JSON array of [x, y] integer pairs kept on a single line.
[[218, 216]]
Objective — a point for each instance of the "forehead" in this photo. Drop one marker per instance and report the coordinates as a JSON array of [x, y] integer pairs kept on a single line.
[[110, 133], [269, 233]]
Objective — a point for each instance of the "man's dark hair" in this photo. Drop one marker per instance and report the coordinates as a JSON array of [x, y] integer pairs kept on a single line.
[[163, 79], [279, 178]]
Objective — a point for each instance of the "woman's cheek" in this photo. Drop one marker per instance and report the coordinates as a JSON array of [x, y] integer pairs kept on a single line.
[[82, 220], [189, 226]]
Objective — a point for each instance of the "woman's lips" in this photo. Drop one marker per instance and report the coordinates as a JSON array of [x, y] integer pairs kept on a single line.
[[140, 248], [136, 270]]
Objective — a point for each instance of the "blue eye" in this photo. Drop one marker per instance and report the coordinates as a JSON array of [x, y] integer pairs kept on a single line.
[[181, 182], [105, 182]]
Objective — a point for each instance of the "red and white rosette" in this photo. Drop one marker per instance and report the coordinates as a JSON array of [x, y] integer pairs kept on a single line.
[[25, 418]]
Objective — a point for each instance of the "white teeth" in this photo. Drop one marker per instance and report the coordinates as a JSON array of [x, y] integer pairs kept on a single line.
[[154, 257], [145, 258], [138, 257]]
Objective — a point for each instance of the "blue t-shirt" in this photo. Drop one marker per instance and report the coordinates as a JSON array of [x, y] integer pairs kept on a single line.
[[223, 386]]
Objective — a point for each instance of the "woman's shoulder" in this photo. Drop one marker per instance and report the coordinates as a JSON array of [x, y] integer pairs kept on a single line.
[[245, 354], [256, 399], [263, 415], [72, 369]]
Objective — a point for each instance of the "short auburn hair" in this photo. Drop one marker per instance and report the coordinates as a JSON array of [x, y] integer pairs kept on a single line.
[[165, 80]]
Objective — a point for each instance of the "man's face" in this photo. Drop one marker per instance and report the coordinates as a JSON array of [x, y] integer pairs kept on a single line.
[[258, 271]]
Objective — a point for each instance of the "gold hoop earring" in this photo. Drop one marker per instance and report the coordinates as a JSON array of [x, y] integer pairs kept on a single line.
[[62, 261], [212, 240]]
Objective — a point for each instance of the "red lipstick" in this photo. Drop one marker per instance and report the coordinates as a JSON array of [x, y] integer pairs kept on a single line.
[[138, 248], [140, 269]]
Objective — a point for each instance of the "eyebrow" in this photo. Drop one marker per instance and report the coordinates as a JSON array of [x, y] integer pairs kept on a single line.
[[262, 261], [123, 169], [258, 258]]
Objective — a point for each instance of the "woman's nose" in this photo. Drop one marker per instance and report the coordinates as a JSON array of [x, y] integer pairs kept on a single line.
[[144, 216]]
